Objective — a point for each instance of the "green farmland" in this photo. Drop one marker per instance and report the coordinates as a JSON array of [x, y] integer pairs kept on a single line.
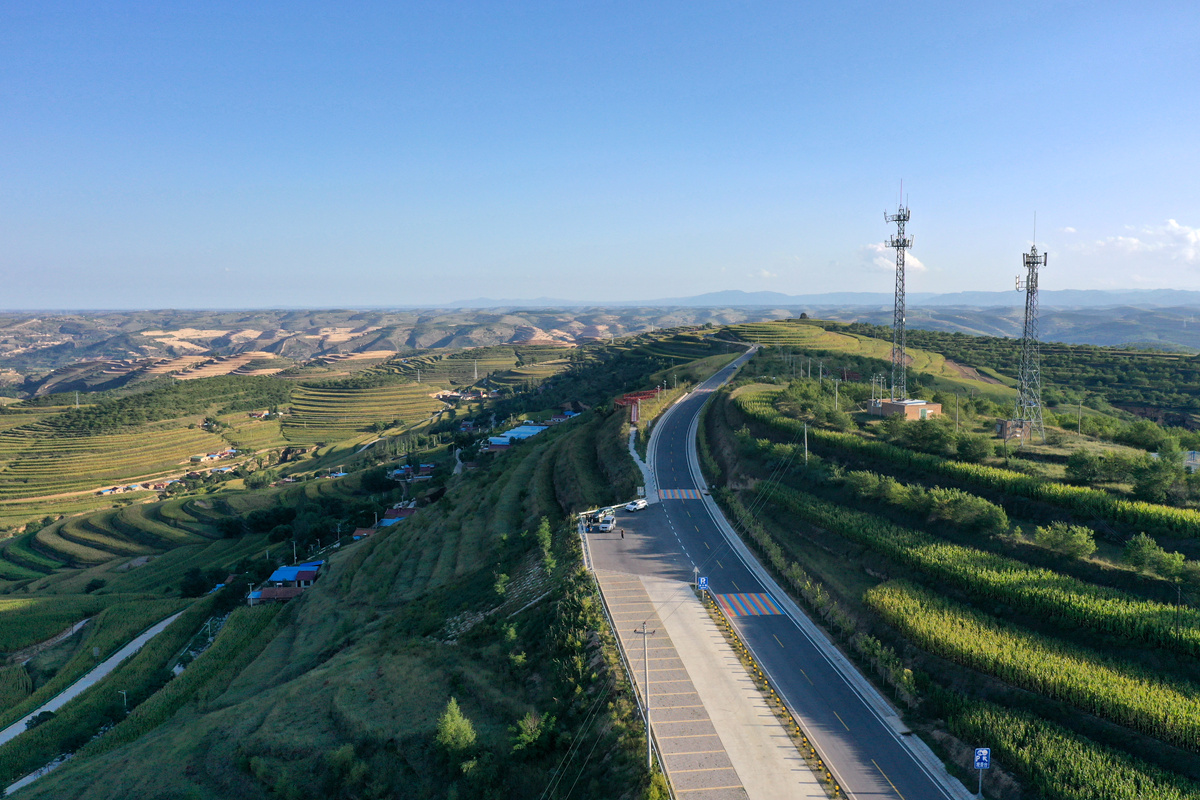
[[36, 460], [335, 413]]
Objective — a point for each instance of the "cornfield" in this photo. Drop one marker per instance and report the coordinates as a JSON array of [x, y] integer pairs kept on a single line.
[[1061, 599], [1121, 693]]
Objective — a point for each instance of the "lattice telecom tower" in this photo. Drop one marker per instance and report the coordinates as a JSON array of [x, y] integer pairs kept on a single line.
[[1029, 391], [899, 339]]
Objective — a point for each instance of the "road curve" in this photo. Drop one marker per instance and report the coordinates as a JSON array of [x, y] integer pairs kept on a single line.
[[90, 679], [860, 735]]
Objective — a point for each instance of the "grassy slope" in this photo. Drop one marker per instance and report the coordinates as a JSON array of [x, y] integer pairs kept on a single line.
[[804, 336], [365, 662]]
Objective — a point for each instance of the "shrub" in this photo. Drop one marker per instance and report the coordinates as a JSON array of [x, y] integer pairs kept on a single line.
[[1073, 540]]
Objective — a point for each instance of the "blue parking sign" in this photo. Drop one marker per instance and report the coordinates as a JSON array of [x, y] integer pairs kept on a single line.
[[983, 757], [702, 583]]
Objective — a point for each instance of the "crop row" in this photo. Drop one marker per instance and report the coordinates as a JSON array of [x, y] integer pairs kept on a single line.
[[1122, 693], [28, 621], [244, 635], [15, 685], [1062, 599], [102, 535], [1059, 763], [108, 632], [1150, 517], [138, 677], [53, 441]]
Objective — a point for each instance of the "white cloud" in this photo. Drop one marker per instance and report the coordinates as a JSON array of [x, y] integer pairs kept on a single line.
[[880, 256], [763, 274], [1068, 229], [1170, 242]]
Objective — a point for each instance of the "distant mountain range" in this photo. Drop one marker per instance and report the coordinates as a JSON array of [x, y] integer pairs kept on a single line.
[[735, 298]]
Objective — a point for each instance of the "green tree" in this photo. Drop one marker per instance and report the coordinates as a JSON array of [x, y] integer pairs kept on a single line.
[[1145, 554], [1084, 467], [974, 447], [1073, 540], [194, 583], [455, 733]]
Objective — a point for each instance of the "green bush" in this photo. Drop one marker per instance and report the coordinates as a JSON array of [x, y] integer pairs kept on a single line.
[[1073, 540]]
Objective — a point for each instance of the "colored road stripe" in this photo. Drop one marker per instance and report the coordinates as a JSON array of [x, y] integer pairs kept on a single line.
[[679, 494], [743, 604]]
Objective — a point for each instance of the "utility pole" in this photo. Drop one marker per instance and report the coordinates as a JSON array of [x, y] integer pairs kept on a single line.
[[124, 700], [646, 671], [294, 559], [821, 372], [806, 444], [836, 382], [956, 412], [1079, 423]]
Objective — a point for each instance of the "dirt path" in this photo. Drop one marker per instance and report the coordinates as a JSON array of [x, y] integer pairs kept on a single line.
[[970, 373], [24, 655]]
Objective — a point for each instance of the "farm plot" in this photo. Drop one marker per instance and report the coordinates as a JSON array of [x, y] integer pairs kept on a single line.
[[531, 374], [254, 434], [37, 461], [331, 414]]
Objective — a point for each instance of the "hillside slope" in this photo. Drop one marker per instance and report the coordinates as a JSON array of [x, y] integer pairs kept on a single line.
[[344, 699]]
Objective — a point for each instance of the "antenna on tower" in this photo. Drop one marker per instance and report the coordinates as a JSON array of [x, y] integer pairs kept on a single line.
[[1028, 418], [899, 336]]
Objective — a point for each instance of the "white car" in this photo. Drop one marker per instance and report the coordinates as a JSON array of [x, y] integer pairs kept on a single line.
[[636, 505]]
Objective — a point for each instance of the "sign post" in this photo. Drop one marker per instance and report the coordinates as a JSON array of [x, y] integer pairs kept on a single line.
[[702, 583], [983, 760]]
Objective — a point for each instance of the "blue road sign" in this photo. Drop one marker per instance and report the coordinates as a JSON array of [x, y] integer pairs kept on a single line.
[[702, 583], [983, 757]]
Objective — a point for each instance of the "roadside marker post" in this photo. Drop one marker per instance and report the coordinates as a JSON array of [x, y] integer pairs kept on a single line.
[[983, 760]]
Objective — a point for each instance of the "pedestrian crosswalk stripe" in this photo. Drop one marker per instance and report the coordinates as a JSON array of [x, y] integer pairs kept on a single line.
[[679, 494], [745, 604]]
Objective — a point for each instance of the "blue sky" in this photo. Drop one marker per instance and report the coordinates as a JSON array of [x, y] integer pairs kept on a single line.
[[305, 154]]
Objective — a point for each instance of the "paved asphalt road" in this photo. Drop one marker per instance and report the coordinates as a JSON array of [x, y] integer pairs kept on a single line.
[[668, 539]]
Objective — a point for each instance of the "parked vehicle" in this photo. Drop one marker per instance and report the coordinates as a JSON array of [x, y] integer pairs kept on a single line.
[[636, 505], [607, 524]]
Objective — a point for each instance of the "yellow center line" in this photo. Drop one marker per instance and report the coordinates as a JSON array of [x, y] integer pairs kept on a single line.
[[805, 674], [886, 778], [735, 586], [706, 547], [719, 564], [697, 527], [777, 639], [844, 725]]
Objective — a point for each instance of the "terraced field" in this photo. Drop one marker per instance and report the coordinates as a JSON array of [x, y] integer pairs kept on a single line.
[[811, 337], [99, 537], [521, 377], [254, 434], [679, 347], [36, 461], [333, 413]]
